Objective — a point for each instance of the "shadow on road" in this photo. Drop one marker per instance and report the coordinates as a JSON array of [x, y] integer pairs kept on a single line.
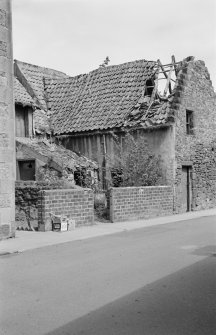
[[182, 303], [208, 250]]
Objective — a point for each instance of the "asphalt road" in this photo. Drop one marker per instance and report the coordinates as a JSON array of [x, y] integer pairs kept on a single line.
[[151, 281]]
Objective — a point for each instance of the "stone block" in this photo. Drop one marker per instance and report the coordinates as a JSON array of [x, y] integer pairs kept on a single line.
[[5, 66], [6, 216], [4, 126], [5, 201], [3, 34], [3, 111], [2, 17], [4, 171], [4, 94], [5, 230], [4, 140], [6, 186], [3, 48]]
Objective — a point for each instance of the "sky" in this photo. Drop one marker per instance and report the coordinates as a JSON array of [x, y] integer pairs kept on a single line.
[[75, 36]]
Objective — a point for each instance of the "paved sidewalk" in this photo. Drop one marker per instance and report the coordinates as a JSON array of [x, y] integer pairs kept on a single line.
[[26, 240]]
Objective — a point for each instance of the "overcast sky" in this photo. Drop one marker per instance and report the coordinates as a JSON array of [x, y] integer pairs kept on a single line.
[[75, 36]]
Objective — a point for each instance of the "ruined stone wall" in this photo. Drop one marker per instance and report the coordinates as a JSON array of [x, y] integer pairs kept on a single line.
[[160, 142], [132, 203], [7, 117], [26, 201], [195, 93], [76, 204]]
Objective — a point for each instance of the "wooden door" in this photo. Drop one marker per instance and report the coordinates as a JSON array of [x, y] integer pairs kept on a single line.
[[186, 189], [20, 123]]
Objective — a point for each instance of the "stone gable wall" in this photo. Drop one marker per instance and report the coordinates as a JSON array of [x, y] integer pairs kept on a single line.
[[7, 116], [132, 203], [77, 204], [196, 93]]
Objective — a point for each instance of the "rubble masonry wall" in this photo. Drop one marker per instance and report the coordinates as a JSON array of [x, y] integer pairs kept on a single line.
[[196, 93], [26, 201]]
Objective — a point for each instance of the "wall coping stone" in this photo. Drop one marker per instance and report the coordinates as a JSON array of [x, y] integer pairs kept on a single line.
[[67, 190], [137, 187]]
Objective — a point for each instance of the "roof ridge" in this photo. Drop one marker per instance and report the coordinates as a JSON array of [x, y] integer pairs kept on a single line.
[[69, 77], [39, 66]]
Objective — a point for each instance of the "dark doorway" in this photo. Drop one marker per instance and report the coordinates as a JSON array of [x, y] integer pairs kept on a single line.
[[186, 189]]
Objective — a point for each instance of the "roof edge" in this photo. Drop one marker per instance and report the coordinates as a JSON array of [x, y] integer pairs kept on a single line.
[[23, 81], [40, 67]]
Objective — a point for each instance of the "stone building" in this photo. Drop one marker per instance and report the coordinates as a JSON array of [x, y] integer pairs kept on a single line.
[[7, 143], [88, 112], [179, 125], [35, 147]]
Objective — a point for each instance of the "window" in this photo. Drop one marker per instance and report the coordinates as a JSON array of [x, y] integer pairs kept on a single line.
[[149, 87], [24, 121], [26, 170], [189, 122]]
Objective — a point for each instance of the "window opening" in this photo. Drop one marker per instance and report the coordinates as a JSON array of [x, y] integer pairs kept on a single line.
[[149, 87], [26, 169], [189, 122]]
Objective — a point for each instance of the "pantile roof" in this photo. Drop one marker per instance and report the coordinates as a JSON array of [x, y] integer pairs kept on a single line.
[[146, 115], [106, 98], [21, 96], [101, 99], [62, 157], [34, 75]]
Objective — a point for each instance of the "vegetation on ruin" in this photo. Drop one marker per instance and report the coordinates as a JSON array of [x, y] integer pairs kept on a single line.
[[137, 165]]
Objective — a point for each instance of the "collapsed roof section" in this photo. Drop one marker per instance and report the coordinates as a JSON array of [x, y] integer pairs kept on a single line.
[[155, 107], [56, 155], [126, 95], [98, 100]]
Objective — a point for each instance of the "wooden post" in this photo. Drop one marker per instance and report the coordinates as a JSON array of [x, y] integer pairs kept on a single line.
[[165, 74], [168, 84], [174, 63]]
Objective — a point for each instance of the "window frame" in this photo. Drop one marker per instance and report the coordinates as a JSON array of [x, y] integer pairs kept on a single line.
[[189, 122], [19, 162]]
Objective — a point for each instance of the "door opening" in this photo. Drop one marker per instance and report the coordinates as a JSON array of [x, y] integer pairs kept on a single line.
[[187, 188]]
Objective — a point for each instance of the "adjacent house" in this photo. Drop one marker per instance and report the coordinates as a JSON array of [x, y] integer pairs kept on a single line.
[[24, 107], [29, 94], [35, 149], [172, 106]]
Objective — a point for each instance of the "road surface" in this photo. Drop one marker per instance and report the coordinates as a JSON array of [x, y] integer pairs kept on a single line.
[[150, 281]]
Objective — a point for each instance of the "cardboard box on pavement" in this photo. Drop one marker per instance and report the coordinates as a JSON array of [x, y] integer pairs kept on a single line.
[[71, 224]]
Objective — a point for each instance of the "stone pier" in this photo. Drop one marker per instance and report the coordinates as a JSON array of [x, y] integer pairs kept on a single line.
[[7, 120]]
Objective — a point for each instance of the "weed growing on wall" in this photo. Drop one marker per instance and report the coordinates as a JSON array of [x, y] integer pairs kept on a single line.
[[137, 166], [51, 178]]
